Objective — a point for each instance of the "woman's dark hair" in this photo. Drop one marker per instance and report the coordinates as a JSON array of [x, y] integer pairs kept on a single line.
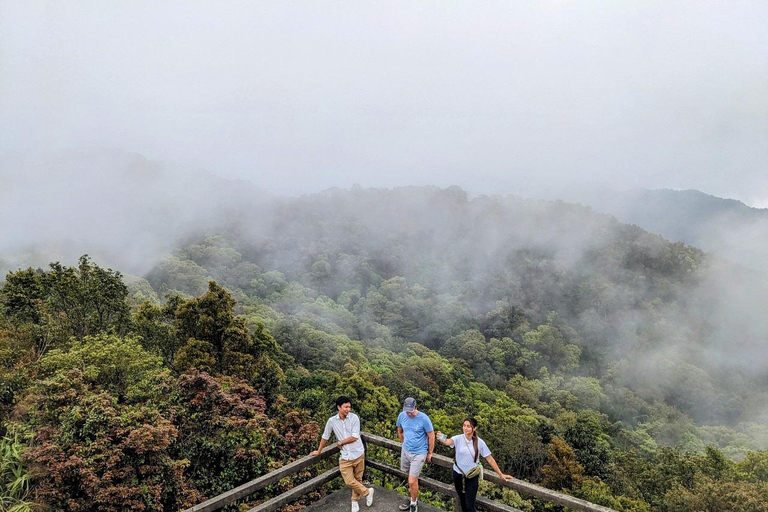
[[342, 400], [473, 422]]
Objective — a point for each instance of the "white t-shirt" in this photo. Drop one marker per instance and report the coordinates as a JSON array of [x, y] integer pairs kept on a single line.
[[465, 452]]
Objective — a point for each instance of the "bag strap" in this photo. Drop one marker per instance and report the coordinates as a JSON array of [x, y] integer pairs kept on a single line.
[[455, 463]]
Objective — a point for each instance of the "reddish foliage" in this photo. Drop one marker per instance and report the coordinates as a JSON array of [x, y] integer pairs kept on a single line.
[[194, 440], [92, 453], [562, 470], [299, 437], [224, 432], [206, 394]]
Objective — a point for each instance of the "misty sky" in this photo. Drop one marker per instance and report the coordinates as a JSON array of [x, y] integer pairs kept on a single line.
[[509, 96]]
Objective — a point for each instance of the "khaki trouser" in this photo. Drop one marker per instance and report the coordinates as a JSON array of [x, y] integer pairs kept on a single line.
[[352, 473]]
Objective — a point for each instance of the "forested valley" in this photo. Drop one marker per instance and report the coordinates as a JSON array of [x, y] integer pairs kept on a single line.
[[599, 359]]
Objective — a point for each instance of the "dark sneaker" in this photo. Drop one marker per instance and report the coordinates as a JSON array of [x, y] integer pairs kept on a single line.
[[414, 507], [406, 505]]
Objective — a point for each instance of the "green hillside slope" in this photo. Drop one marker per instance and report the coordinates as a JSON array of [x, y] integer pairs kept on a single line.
[[598, 358]]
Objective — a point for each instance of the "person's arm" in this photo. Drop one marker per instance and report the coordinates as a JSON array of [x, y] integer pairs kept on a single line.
[[400, 434], [495, 467], [448, 441], [325, 437], [354, 433], [430, 444], [319, 448]]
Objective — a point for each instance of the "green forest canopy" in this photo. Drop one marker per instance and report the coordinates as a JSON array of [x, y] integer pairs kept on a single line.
[[597, 357]]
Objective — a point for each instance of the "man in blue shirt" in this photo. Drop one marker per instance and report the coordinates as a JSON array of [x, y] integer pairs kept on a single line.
[[415, 431]]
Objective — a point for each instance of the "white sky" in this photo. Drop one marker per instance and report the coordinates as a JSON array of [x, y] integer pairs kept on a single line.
[[493, 96]]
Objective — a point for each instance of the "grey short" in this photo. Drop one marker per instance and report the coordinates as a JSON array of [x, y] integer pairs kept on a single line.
[[412, 462]]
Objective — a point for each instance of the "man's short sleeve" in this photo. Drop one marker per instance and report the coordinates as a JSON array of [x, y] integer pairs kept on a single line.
[[355, 426], [400, 419], [427, 423], [328, 429]]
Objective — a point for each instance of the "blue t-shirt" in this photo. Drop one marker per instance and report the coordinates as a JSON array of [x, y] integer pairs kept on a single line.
[[415, 432]]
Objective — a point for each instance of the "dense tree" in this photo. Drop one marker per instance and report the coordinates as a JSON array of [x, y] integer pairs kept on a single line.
[[97, 451], [204, 333], [553, 350], [180, 275], [562, 470], [67, 301], [156, 324], [226, 435]]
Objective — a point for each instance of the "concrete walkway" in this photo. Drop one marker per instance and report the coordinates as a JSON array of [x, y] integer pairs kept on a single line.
[[384, 500]]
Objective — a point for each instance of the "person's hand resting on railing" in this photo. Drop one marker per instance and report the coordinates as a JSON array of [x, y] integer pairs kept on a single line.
[[322, 445], [470, 427]]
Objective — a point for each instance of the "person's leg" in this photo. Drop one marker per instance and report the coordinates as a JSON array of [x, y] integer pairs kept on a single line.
[[359, 470], [471, 485], [352, 473], [405, 466], [458, 483], [346, 467], [413, 487], [405, 461], [359, 465], [348, 474], [417, 462]]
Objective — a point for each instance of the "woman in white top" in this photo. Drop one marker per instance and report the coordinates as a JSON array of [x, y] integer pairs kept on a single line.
[[468, 448]]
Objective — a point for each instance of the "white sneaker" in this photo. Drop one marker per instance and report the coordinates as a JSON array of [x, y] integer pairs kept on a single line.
[[369, 498], [355, 506]]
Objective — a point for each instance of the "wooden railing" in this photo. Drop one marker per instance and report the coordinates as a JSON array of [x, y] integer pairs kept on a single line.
[[518, 485], [297, 492], [428, 483]]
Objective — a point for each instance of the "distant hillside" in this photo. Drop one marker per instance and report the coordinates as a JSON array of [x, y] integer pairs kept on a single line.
[[119, 207], [726, 227], [428, 264]]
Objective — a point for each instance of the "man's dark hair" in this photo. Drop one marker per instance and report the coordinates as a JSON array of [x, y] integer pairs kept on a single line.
[[342, 400]]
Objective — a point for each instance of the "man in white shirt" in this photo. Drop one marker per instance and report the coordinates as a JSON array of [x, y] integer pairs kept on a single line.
[[346, 427]]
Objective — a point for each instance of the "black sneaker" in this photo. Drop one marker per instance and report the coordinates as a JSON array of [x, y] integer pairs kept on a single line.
[[406, 505], [414, 507]]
